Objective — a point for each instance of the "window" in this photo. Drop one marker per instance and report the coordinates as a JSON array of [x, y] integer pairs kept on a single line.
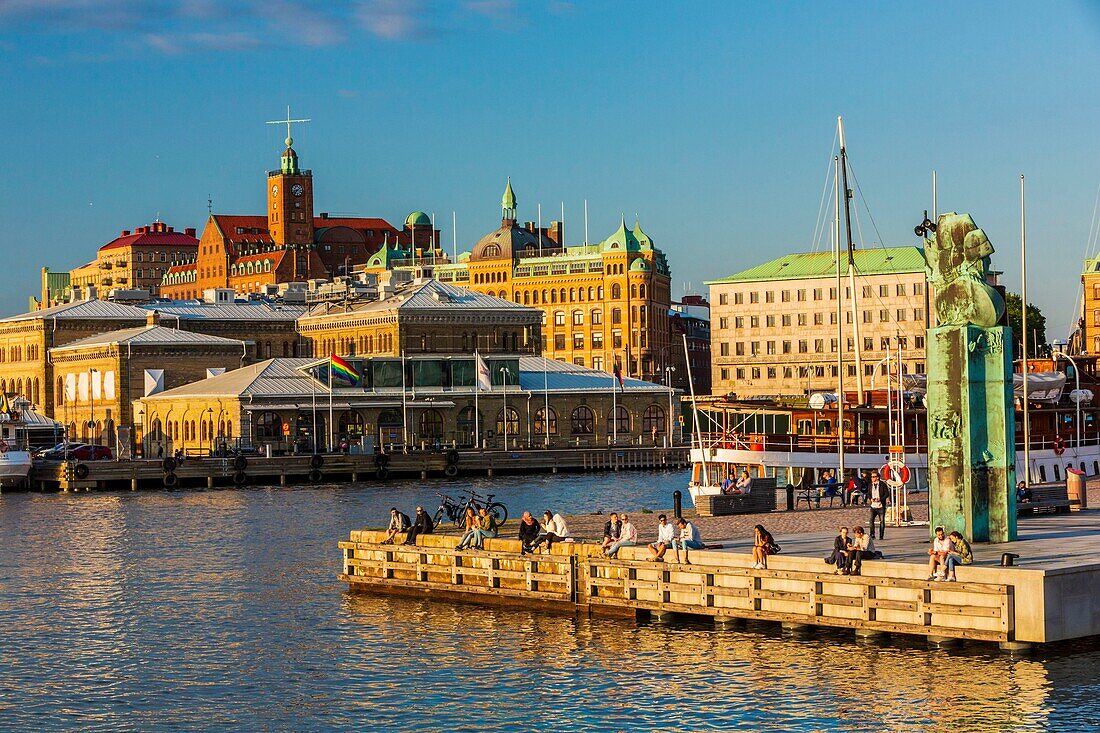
[[869, 370], [430, 425], [582, 421], [616, 292], [866, 316], [754, 321], [867, 291], [803, 346], [801, 294], [619, 420], [868, 343], [754, 297], [739, 321], [832, 293], [724, 322], [770, 347], [818, 293], [738, 299], [725, 373], [918, 288], [901, 289], [771, 372], [918, 342], [786, 320], [883, 291], [769, 297], [785, 296], [769, 321], [884, 316], [578, 341], [559, 318], [546, 420], [755, 372], [918, 314], [740, 373], [884, 343], [786, 347], [819, 319], [754, 348], [616, 339], [597, 361], [653, 420], [559, 342], [901, 314], [819, 345], [616, 315], [270, 426], [597, 340], [723, 299], [739, 348], [832, 345], [597, 316], [512, 425]]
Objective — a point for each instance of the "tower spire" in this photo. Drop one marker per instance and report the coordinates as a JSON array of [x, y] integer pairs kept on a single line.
[[290, 158], [508, 202]]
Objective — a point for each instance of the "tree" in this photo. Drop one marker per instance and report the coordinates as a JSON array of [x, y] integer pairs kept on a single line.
[[1036, 326]]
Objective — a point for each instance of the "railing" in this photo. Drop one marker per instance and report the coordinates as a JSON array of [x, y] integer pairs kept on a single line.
[[800, 443]]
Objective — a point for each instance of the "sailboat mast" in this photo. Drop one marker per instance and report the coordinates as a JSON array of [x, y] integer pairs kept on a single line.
[[1023, 336], [839, 328], [858, 346]]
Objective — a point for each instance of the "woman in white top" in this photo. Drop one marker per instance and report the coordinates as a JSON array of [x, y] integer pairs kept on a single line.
[[554, 530], [628, 537]]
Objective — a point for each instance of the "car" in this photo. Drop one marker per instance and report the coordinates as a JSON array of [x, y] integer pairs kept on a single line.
[[57, 452], [91, 453]]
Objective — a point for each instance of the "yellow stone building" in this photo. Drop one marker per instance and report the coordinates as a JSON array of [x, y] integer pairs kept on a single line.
[[601, 303], [135, 260]]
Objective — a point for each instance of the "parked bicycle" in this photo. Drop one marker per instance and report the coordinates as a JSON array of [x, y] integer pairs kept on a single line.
[[455, 511]]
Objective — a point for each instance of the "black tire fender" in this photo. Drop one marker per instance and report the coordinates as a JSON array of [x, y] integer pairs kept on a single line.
[[382, 473], [239, 478], [316, 461], [315, 476], [168, 464], [382, 460], [81, 471], [170, 480], [240, 463], [450, 471], [452, 457]]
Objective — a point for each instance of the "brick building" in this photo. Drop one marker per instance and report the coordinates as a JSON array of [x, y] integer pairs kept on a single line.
[[690, 318], [134, 260]]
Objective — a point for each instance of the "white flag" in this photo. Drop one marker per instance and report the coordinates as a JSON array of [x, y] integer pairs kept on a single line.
[[484, 380]]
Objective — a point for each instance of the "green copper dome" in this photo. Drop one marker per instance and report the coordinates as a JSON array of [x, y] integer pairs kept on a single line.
[[418, 219], [508, 200]]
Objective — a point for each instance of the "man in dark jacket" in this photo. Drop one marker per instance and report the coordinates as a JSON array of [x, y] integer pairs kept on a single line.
[[528, 532], [611, 530], [878, 498], [422, 524], [840, 556]]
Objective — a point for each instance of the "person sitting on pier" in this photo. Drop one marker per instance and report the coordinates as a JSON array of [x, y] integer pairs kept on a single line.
[[422, 524], [689, 539], [960, 554], [1023, 493], [528, 532], [937, 555], [628, 537], [666, 535], [554, 530], [841, 554], [611, 530], [744, 483], [399, 522], [471, 524], [762, 546], [860, 548]]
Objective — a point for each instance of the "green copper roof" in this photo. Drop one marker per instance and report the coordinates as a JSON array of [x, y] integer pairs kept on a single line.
[[1092, 266], [639, 265], [802, 266], [418, 219], [508, 200], [382, 257], [643, 239], [623, 240]]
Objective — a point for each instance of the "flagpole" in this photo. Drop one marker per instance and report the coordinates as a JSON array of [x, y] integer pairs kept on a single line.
[[404, 406], [546, 397], [614, 412], [454, 234], [330, 441], [540, 230], [477, 415], [313, 427]]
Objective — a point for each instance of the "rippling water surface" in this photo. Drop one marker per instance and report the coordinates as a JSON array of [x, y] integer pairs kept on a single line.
[[220, 610]]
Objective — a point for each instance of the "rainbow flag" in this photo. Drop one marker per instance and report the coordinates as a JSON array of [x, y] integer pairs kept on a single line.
[[343, 370]]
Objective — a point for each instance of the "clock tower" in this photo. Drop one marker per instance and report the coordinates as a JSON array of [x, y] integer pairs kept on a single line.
[[290, 198]]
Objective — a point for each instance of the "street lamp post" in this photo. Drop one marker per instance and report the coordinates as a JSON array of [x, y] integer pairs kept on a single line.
[[504, 379], [209, 431], [91, 402], [1076, 401], [668, 381]]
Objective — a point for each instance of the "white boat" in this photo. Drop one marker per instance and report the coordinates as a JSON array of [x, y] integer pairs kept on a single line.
[[21, 431]]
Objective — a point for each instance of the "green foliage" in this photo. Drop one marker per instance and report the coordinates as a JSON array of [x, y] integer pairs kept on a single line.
[[1036, 326]]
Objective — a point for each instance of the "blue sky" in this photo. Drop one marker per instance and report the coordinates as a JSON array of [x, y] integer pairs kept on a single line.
[[714, 122]]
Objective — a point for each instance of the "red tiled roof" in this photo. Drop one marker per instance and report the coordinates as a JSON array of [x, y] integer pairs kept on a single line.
[[255, 228], [154, 235], [180, 268], [276, 257], [352, 222]]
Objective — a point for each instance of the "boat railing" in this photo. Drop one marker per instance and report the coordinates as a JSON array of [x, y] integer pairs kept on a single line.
[[785, 442]]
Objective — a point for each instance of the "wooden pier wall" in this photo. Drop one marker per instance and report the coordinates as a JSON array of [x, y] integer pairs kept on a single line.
[[283, 470], [1004, 605]]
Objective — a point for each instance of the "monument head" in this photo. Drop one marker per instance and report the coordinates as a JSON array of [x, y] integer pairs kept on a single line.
[[957, 255]]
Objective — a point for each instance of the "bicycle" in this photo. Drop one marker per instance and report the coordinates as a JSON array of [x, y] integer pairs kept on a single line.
[[450, 508], [477, 502]]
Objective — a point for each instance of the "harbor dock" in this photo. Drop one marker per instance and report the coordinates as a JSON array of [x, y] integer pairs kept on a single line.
[[326, 468], [1048, 597]]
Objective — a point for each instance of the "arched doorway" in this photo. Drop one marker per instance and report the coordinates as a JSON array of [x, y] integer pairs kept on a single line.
[[467, 426], [430, 426], [352, 426]]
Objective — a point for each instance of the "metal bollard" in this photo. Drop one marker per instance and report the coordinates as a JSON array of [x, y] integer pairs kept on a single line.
[[1008, 559], [677, 503]]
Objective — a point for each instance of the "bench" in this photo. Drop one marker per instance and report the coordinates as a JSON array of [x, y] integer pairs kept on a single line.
[[760, 499], [816, 494], [1052, 498]]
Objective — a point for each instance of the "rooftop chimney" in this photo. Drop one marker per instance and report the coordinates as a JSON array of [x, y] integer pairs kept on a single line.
[[189, 231], [152, 319], [125, 232]]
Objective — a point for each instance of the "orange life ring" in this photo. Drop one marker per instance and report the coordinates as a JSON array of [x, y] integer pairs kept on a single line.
[[1059, 446], [887, 473]]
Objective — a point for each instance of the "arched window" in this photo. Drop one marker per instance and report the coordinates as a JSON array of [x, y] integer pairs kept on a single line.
[[269, 425], [527, 297], [559, 318], [59, 394], [616, 315], [633, 291], [582, 421], [466, 425], [590, 294], [641, 290], [553, 296], [597, 316], [599, 292], [430, 426], [561, 296], [542, 422], [513, 422], [352, 424], [616, 291], [619, 420], [37, 398], [492, 250], [653, 419]]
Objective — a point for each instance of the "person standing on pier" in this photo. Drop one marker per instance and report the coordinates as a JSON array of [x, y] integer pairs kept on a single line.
[[421, 525], [878, 497], [628, 537], [666, 535], [528, 532]]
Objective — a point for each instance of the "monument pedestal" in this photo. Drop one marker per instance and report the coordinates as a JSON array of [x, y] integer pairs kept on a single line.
[[972, 432]]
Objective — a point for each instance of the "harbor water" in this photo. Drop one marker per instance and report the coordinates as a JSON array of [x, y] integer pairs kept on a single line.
[[220, 610]]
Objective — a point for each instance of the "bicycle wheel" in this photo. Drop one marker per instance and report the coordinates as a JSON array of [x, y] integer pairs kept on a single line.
[[499, 512], [438, 516]]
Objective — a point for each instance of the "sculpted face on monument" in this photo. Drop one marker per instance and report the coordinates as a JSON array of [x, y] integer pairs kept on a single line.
[[958, 260]]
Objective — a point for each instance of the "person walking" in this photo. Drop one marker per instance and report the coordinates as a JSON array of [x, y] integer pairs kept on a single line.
[[878, 498]]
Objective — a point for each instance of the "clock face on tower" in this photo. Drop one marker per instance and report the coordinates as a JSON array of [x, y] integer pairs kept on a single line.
[[274, 190], [297, 189]]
